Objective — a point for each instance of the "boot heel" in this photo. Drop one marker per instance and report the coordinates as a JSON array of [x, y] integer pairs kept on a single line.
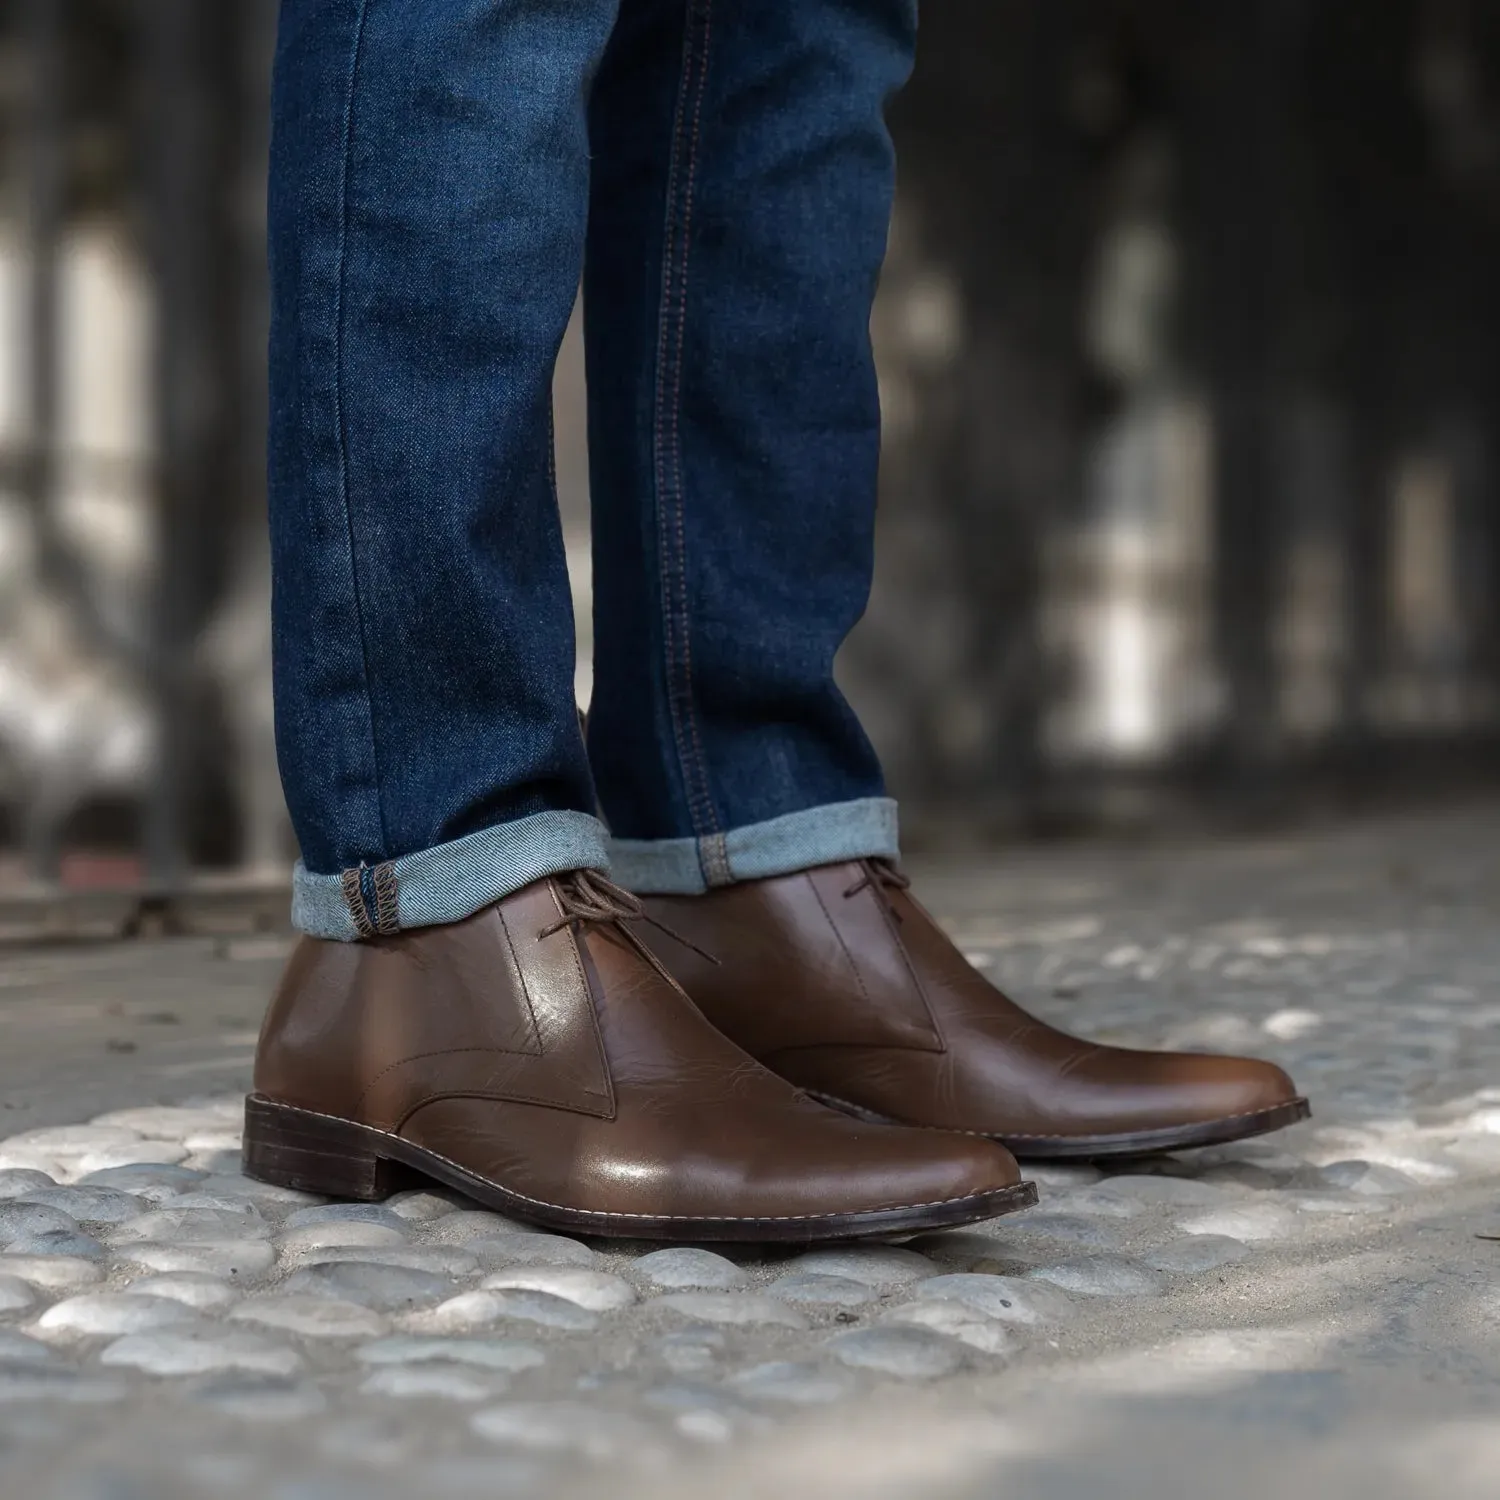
[[295, 1149]]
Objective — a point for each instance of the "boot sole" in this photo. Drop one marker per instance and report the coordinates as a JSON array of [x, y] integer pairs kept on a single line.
[[315, 1153], [1125, 1146]]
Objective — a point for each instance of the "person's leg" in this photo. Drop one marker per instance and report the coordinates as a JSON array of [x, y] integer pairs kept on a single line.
[[741, 198], [429, 193], [736, 422], [499, 1024]]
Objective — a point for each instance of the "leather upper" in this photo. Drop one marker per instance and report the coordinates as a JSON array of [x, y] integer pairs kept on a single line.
[[839, 980], [553, 1059]]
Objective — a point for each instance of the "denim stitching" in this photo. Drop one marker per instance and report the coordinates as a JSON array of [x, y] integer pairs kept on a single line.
[[354, 899], [356, 54], [387, 923], [681, 181]]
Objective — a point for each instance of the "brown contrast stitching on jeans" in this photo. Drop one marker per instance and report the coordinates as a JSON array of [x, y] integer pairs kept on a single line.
[[713, 858], [354, 899], [387, 923]]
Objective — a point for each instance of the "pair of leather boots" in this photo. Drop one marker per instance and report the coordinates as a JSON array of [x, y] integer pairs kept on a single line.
[[839, 1071]]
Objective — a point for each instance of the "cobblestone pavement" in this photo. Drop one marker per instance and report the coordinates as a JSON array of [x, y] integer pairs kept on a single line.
[[1317, 1311]]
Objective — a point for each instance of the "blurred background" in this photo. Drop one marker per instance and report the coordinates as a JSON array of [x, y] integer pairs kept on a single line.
[[1190, 357]]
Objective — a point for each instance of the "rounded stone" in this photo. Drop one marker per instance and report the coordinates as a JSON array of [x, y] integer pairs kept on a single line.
[[479, 1309], [528, 1250], [1006, 1298], [72, 1140], [688, 1269], [52, 1272], [341, 1233], [201, 1351], [348, 1213], [1153, 1189], [793, 1383], [1101, 1276], [433, 1383], [262, 1398], [873, 1265], [154, 1182], [479, 1224], [1074, 1229], [190, 1288], [1196, 1254], [19, 1182], [690, 1352], [418, 1206], [747, 1308], [192, 1225], [239, 1188], [34, 1383], [1250, 1222], [956, 1321], [506, 1355], [815, 1289], [909, 1353], [20, 1220], [93, 1314], [89, 1205], [1061, 1177], [436, 1260], [18, 1348], [384, 1288], [563, 1427], [311, 1317], [15, 1294], [73, 1243], [1366, 1177], [135, 1154], [236, 1259], [162, 1121], [598, 1291]]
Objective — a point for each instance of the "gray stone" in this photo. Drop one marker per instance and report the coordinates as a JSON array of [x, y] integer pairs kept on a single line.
[[23, 1382], [793, 1383], [201, 1351], [189, 1224], [703, 1413], [267, 1195], [136, 1154], [54, 1272], [89, 1205], [817, 1290], [690, 1352], [479, 1224], [17, 1348], [1102, 1276], [1143, 1188], [348, 1213], [1003, 1297], [18, 1182], [1367, 1177], [434, 1383], [598, 1291], [505, 1355], [73, 1243], [1060, 1176], [909, 1353], [686, 1269], [341, 1233], [564, 1427], [191, 1288], [384, 1288], [874, 1265], [418, 1206], [957, 1321], [482, 1308], [15, 1294], [93, 1314], [240, 1260], [731, 1307], [435, 1260], [20, 1220], [1074, 1229], [1251, 1222], [528, 1250], [311, 1317], [261, 1398], [1196, 1254]]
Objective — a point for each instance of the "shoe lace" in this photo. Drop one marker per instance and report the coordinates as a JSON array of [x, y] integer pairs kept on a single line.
[[589, 899], [882, 876]]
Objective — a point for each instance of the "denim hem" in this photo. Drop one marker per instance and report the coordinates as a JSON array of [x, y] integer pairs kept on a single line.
[[451, 881], [796, 841]]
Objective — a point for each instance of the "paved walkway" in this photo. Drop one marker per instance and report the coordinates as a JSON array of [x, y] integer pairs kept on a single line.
[[1315, 1313]]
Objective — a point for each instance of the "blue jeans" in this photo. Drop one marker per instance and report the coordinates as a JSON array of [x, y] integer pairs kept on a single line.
[[443, 172]]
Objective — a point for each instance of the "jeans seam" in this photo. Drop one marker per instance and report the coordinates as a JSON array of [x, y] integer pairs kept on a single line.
[[672, 540], [340, 280]]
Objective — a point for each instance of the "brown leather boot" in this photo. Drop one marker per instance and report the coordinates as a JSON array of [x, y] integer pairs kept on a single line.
[[837, 979], [537, 1058]]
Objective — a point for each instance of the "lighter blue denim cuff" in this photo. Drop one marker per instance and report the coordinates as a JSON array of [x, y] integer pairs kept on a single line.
[[448, 882], [797, 841]]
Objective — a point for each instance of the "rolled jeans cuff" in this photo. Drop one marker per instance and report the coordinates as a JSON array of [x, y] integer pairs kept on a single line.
[[448, 882], [828, 835]]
